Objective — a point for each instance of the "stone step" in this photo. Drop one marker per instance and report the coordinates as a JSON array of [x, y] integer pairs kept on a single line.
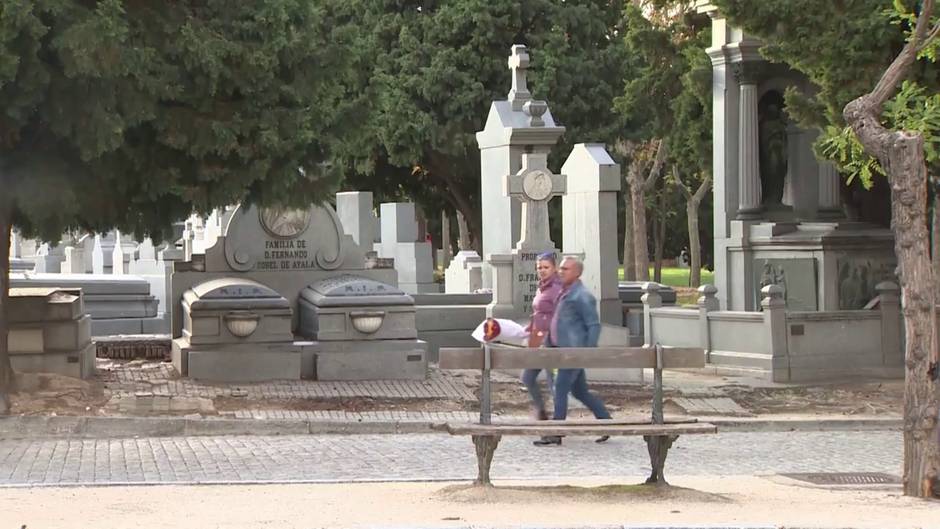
[[741, 360]]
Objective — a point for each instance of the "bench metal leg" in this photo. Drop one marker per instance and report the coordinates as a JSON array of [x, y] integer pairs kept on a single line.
[[485, 447], [658, 446]]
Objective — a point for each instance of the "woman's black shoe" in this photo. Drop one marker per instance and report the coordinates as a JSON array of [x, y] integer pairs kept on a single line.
[[548, 440]]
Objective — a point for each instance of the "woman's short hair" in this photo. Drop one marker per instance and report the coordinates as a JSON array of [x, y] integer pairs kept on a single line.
[[547, 256]]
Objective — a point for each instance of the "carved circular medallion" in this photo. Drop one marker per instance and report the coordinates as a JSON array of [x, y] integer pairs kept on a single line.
[[284, 223], [537, 185]]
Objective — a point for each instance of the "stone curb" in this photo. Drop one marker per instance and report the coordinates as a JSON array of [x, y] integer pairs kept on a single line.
[[26, 427]]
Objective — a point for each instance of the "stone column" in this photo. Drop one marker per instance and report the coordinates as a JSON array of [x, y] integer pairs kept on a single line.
[[830, 201], [354, 209], [651, 300], [749, 188], [515, 126], [775, 329], [590, 202], [707, 302]]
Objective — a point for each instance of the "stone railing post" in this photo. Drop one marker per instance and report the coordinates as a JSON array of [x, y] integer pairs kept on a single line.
[[188, 239], [775, 329], [651, 300], [889, 302], [707, 302]]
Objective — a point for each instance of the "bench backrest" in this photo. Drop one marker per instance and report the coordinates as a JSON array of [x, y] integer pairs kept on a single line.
[[506, 357]]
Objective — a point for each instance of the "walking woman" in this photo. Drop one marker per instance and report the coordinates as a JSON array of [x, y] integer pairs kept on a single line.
[[543, 309]]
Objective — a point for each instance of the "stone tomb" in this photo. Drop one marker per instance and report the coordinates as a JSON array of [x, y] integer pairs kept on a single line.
[[260, 266], [50, 332], [363, 329], [219, 316]]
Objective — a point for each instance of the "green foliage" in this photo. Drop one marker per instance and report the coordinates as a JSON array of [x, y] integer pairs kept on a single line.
[[431, 69], [132, 114]]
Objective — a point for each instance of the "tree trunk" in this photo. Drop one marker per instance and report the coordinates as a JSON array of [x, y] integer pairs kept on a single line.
[[692, 203], [463, 232], [629, 264], [935, 244], [659, 238], [447, 249], [901, 155], [695, 244], [6, 371], [640, 245]]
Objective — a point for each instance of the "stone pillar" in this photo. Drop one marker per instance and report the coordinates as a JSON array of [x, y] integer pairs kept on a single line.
[[465, 274], [892, 343], [15, 248], [463, 233], [830, 201], [354, 209], [117, 255], [651, 300], [515, 126], [775, 329], [188, 237], [446, 244], [74, 262], [413, 260], [707, 302], [97, 257], [591, 202], [749, 187]]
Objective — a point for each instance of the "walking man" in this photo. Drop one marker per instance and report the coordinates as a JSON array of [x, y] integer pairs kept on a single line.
[[575, 324]]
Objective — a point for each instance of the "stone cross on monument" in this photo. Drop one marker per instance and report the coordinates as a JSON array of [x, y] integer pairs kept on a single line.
[[519, 63], [534, 185]]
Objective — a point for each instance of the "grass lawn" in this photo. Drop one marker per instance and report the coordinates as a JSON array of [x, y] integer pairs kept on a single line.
[[678, 277]]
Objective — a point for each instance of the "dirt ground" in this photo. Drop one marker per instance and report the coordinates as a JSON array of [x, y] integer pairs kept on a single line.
[[46, 394], [698, 501]]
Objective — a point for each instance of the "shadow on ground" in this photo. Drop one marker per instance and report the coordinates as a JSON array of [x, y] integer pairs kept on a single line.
[[567, 493]]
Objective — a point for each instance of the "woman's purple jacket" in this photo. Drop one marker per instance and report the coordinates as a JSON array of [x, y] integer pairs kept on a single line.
[[543, 306]]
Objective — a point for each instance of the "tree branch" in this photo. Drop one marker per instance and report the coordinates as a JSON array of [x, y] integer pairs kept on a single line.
[[888, 83], [661, 151], [703, 188], [684, 189], [929, 38]]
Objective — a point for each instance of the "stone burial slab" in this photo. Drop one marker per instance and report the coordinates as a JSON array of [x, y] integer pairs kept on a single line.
[[349, 307]]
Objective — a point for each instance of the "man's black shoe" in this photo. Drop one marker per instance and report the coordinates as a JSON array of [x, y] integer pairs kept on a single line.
[[602, 439], [548, 440]]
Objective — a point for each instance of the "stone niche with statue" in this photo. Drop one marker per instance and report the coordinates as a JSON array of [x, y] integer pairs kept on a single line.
[[258, 305]]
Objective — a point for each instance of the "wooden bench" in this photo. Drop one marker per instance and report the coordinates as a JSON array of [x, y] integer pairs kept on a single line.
[[658, 432]]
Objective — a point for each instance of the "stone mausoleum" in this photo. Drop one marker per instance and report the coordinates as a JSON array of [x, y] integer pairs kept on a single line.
[[286, 294], [778, 214]]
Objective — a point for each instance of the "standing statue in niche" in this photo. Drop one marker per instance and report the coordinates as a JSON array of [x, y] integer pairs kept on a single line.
[[772, 139]]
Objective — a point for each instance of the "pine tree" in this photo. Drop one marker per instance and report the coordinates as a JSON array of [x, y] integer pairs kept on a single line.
[[134, 114]]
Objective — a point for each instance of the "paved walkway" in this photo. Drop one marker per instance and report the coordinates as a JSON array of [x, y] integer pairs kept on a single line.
[[363, 458], [160, 379]]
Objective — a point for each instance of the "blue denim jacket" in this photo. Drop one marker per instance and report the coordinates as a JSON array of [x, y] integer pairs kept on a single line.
[[577, 323]]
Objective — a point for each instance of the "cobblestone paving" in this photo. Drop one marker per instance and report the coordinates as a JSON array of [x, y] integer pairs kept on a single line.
[[342, 458], [160, 378]]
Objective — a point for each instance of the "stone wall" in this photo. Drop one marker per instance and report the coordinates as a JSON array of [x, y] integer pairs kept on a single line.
[[783, 345]]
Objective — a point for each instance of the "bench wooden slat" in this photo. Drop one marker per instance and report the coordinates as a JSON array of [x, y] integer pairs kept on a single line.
[[547, 429], [504, 357], [634, 420]]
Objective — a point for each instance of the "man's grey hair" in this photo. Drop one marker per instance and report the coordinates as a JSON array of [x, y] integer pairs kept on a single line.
[[575, 262]]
